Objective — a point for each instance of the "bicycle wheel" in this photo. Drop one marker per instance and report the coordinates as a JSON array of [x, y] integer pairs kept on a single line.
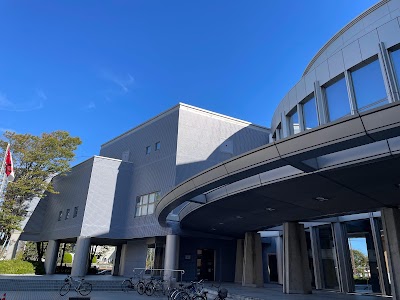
[[85, 288], [149, 290], [158, 289], [127, 285], [181, 296], [140, 288], [65, 289], [172, 293]]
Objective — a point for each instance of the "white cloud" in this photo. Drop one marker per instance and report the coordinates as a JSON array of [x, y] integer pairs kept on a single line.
[[124, 83], [41, 94], [7, 105], [91, 105]]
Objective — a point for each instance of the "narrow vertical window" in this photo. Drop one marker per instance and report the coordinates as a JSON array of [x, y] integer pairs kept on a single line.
[[60, 215], [148, 150], [337, 99], [294, 125], [75, 211], [310, 114], [395, 56], [157, 146], [67, 214]]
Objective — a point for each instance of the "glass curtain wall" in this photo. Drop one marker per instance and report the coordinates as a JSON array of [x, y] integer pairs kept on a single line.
[[337, 99], [369, 88]]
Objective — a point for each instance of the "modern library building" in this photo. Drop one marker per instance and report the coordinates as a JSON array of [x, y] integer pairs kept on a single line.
[[311, 203]]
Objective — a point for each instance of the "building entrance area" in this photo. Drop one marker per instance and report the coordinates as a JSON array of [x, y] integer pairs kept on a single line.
[[205, 264]]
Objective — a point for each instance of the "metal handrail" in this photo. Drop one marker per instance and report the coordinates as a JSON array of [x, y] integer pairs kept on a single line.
[[162, 272]]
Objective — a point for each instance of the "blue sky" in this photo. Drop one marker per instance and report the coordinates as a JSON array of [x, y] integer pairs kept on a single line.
[[99, 68]]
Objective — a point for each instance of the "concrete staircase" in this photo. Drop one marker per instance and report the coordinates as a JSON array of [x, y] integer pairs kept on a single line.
[[21, 283]]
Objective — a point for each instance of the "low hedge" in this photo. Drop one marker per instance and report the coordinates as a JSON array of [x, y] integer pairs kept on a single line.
[[16, 266]]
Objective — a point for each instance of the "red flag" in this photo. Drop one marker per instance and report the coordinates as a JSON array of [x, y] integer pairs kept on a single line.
[[9, 166]]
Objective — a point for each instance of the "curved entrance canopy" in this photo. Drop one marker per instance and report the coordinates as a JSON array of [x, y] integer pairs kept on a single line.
[[347, 166]]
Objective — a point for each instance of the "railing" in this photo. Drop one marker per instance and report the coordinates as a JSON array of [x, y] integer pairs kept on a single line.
[[171, 275]]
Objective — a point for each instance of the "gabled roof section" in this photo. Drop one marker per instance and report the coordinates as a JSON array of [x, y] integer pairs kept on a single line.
[[179, 106]]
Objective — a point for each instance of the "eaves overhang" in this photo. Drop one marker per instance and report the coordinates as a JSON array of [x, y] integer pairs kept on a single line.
[[297, 151]]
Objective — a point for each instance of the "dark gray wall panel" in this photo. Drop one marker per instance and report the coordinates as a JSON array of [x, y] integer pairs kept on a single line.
[[225, 257]]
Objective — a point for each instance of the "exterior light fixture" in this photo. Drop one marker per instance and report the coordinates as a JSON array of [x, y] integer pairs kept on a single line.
[[213, 229], [270, 209], [321, 199], [221, 223], [239, 217]]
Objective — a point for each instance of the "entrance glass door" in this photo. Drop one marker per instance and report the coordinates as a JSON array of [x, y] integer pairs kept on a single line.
[[205, 264]]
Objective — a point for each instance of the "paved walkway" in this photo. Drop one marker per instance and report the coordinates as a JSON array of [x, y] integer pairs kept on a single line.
[[236, 292]]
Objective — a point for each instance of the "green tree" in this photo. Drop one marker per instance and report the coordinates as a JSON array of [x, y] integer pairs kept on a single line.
[[360, 263], [36, 160], [67, 258]]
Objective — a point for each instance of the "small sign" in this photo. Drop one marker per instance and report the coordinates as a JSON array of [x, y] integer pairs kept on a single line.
[[188, 257]]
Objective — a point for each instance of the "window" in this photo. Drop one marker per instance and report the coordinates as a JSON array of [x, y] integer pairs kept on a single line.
[[145, 204], [310, 114], [157, 146], [75, 212], [395, 55], [337, 99], [148, 150], [294, 125], [369, 88], [67, 214], [60, 215]]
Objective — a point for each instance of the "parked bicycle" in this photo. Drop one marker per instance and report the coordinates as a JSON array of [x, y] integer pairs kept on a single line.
[[80, 285], [131, 284], [222, 292], [192, 291]]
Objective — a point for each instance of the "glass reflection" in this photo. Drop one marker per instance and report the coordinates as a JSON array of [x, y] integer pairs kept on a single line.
[[396, 63], [310, 114], [294, 125], [369, 88], [337, 100]]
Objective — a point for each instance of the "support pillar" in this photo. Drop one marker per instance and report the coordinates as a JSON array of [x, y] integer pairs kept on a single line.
[[239, 261], [391, 230], [380, 257], [51, 257], [81, 257], [171, 256], [252, 260], [346, 280], [279, 258], [317, 259], [297, 275], [117, 260]]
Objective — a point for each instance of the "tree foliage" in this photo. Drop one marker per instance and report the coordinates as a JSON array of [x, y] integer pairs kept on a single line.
[[360, 261], [36, 160]]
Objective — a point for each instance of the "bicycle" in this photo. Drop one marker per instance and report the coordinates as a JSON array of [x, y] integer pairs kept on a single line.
[[131, 284], [84, 288], [222, 292]]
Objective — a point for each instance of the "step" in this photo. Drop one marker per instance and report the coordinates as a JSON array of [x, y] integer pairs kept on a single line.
[[55, 285]]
